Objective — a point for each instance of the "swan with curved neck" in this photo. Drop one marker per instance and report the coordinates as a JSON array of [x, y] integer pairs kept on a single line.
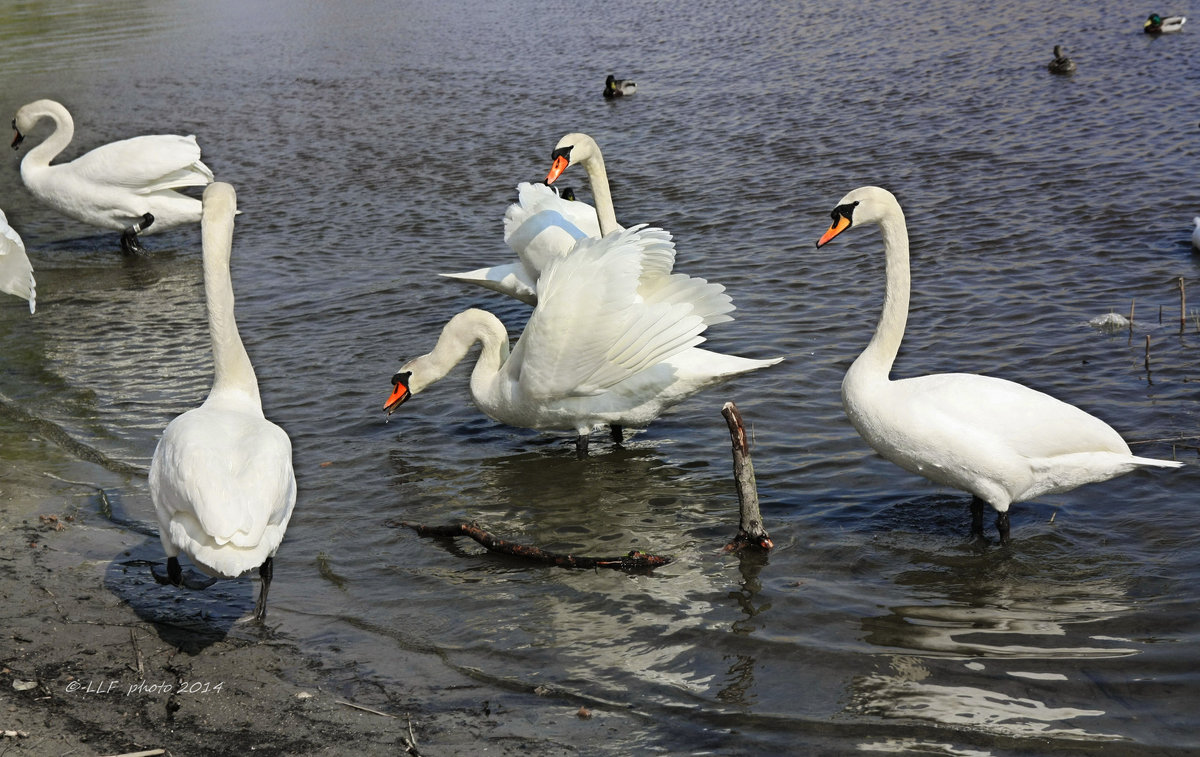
[[577, 148], [16, 272], [129, 186], [998, 440], [599, 348], [221, 478]]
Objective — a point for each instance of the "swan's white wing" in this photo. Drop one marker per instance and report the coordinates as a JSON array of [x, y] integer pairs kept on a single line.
[[146, 164], [534, 198], [541, 238], [225, 477], [658, 284], [591, 328], [16, 272], [1026, 421]]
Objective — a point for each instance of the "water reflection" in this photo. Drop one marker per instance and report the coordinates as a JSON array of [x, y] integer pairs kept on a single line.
[[996, 663]]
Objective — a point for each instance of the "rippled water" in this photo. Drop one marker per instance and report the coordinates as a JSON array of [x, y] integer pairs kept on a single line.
[[375, 148]]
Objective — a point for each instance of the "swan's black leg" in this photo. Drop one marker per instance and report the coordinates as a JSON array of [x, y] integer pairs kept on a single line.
[[265, 571], [173, 575], [581, 446], [1002, 526], [129, 237], [618, 434], [976, 517]]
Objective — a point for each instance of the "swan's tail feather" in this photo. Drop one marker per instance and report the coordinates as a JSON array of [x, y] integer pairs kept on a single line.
[[1156, 463]]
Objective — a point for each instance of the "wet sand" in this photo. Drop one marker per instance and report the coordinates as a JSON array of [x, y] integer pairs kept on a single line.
[[83, 672]]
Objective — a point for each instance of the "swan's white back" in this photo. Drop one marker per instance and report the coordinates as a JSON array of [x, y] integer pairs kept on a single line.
[[221, 477], [16, 272], [115, 184], [999, 440]]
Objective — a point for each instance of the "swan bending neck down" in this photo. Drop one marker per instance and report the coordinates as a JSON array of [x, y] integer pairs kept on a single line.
[[128, 185], [601, 346], [1001, 441], [221, 477]]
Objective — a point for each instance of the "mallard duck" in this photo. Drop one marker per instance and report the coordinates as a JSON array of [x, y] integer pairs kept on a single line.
[[1157, 24], [614, 87], [1061, 63]]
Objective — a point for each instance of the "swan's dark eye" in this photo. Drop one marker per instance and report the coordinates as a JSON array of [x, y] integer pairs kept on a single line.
[[562, 152], [844, 211], [401, 378]]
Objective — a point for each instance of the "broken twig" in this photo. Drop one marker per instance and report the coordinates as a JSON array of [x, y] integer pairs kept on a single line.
[[750, 528]]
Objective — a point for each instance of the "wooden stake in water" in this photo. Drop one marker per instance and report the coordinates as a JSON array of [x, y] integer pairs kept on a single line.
[[751, 533], [1147, 353], [1182, 307]]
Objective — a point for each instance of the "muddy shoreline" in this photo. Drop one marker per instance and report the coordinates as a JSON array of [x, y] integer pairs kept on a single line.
[[86, 670]]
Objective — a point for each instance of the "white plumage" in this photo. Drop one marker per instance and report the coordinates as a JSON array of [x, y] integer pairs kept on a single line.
[[612, 341], [221, 478], [16, 272], [1001, 441], [129, 186]]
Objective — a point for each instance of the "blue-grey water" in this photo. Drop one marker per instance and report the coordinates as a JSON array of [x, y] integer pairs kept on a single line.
[[374, 145]]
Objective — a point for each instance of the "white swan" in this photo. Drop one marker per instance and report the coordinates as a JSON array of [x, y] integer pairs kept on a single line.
[[128, 185], [16, 272], [1196, 234], [1000, 441], [221, 478], [542, 226], [539, 227], [580, 149], [599, 348]]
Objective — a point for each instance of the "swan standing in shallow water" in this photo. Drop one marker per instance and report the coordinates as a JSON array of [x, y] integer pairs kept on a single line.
[[999, 440], [221, 478], [16, 272], [612, 341], [127, 185]]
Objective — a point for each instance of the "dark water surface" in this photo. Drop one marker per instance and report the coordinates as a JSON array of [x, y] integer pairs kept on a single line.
[[375, 144]]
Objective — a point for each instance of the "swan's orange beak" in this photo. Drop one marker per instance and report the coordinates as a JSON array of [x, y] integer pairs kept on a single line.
[[840, 224], [560, 164], [400, 392]]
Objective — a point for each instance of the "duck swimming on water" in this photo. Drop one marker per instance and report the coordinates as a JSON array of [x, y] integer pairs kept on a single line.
[[1157, 24], [614, 87], [1061, 63]]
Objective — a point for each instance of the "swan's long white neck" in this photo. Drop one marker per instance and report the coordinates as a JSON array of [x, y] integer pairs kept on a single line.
[[458, 335], [877, 359], [233, 372], [64, 131], [601, 194]]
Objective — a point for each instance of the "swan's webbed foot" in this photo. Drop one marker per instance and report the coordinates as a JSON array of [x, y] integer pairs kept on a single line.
[[1002, 527], [265, 572], [617, 433], [581, 446], [129, 237], [176, 576]]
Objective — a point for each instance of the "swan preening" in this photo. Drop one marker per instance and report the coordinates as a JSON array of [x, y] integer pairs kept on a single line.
[[614, 87], [542, 225], [221, 478], [612, 341], [1061, 63], [998, 440], [1157, 24], [128, 185], [16, 272], [539, 227]]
